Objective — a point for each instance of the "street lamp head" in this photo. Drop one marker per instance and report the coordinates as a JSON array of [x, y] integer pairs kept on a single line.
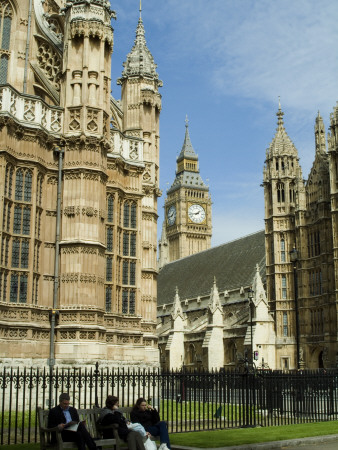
[[294, 254], [250, 293]]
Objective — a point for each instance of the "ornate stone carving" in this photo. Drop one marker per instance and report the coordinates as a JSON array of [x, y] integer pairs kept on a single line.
[[48, 277], [94, 29], [68, 335], [49, 62], [29, 110], [69, 277], [69, 211], [92, 120], [52, 180], [74, 119]]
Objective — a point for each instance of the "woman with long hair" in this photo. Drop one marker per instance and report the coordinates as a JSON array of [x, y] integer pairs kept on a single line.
[[147, 416]]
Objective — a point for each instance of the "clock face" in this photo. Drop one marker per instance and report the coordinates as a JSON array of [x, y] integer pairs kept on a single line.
[[196, 213], [171, 215]]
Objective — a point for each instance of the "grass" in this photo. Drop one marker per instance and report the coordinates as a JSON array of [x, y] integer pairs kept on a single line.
[[219, 438], [18, 418], [172, 410]]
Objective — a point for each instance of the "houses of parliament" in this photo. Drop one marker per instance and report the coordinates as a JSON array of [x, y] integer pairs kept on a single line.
[[79, 186], [80, 280]]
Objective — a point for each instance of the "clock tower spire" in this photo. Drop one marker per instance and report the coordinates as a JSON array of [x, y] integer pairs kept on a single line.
[[187, 207]]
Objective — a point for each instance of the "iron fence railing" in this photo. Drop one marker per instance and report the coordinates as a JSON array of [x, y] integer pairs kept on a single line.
[[187, 400]]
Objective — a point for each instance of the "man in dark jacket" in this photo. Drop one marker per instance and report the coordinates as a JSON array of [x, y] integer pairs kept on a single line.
[[61, 416]]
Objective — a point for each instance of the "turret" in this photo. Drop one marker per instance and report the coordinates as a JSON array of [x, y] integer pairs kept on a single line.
[[320, 135]]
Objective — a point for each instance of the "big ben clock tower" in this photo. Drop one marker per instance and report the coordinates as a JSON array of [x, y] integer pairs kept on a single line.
[[187, 223]]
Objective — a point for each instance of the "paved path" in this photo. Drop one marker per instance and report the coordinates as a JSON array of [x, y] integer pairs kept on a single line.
[[320, 442]]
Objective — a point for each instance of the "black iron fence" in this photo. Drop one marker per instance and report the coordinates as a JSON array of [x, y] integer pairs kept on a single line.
[[188, 401]]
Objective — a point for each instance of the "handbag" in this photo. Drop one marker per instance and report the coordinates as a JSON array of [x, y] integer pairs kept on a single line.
[[150, 445]]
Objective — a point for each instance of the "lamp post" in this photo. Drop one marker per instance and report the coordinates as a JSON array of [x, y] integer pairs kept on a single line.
[[294, 259], [250, 298]]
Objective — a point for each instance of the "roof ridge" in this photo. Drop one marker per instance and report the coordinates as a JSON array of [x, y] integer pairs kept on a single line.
[[216, 246]]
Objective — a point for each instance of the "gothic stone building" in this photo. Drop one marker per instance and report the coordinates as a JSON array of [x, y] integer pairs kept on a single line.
[[301, 248], [293, 322], [206, 316], [78, 187]]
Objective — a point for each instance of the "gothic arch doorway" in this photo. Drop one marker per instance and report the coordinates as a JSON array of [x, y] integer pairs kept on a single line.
[[320, 360]]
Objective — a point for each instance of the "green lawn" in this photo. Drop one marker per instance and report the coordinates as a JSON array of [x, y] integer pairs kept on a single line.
[[221, 438]]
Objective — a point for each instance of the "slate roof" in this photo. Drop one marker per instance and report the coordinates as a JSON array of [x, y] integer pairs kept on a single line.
[[233, 264]]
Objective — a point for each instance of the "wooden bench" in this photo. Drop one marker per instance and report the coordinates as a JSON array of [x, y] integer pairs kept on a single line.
[[125, 410], [90, 416]]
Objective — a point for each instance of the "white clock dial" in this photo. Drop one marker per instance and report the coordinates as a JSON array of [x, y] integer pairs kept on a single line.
[[171, 215], [196, 213]]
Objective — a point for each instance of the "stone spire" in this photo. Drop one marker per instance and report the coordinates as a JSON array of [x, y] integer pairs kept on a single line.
[[187, 148], [258, 288], [281, 143], [214, 301], [187, 171], [140, 62], [177, 307], [320, 136]]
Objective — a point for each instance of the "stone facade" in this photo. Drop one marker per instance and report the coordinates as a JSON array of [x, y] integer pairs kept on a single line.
[[300, 221], [79, 186], [187, 225]]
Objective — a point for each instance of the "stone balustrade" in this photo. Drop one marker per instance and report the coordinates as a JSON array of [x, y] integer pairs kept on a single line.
[[30, 110]]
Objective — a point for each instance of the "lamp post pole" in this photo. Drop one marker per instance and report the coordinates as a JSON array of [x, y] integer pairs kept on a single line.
[[250, 298], [294, 259]]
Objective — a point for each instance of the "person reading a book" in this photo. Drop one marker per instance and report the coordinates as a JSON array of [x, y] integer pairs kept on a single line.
[[67, 420]]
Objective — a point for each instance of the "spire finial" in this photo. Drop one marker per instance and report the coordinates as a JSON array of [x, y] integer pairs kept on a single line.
[[280, 113], [186, 121], [140, 9]]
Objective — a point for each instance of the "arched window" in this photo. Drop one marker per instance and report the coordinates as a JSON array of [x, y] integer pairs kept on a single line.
[[285, 324], [126, 213], [129, 215], [280, 193], [133, 216], [5, 36], [283, 286], [108, 298], [28, 186], [109, 269], [109, 239], [282, 250], [19, 185], [8, 181], [110, 208]]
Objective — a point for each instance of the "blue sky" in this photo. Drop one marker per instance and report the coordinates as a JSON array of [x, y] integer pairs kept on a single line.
[[224, 63]]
